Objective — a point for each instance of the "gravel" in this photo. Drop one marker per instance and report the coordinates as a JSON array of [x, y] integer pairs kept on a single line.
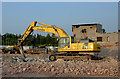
[[14, 65]]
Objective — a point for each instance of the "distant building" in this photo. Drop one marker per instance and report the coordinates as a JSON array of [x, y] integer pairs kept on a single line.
[[94, 31]]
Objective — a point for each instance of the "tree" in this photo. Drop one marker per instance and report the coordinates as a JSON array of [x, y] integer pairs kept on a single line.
[[9, 39], [36, 40], [54, 41], [43, 40], [48, 39], [103, 30]]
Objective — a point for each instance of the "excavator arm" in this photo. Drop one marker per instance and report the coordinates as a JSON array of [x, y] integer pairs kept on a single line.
[[55, 30], [27, 32], [50, 29]]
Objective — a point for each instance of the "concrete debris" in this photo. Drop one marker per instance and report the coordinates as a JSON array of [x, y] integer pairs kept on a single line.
[[39, 64]]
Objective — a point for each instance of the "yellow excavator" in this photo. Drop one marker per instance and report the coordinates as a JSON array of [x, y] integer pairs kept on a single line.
[[67, 48]]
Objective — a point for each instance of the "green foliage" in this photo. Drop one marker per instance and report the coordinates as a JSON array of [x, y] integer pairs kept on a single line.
[[35, 40], [9, 39], [103, 30]]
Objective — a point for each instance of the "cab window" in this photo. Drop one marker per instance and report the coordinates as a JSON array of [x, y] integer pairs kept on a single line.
[[64, 41]]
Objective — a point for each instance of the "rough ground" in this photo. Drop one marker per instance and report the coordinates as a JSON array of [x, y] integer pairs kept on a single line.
[[38, 65]]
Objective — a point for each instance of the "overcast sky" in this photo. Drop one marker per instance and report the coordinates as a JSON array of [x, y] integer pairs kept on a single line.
[[16, 16]]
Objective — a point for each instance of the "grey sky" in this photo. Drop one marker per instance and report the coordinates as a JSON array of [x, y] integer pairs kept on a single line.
[[16, 17]]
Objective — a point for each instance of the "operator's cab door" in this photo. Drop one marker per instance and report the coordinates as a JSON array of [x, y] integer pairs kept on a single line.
[[64, 41]]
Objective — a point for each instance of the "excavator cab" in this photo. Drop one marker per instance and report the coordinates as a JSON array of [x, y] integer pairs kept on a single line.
[[64, 41], [67, 44]]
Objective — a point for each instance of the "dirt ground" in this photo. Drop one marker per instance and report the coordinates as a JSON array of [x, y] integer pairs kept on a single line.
[[38, 65]]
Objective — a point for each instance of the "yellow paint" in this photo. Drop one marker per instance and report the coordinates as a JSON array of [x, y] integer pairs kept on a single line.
[[61, 33], [11, 46], [44, 29], [79, 47]]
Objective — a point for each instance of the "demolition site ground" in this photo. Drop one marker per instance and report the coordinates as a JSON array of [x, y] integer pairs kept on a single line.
[[39, 65]]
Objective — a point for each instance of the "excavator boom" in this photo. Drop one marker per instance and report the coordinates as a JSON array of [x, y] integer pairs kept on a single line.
[[50, 29], [44, 29], [55, 30]]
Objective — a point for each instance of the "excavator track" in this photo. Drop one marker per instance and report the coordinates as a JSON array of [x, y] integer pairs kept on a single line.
[[70, 56]]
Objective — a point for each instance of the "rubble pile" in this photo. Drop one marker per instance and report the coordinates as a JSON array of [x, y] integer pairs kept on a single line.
[[40, 64]]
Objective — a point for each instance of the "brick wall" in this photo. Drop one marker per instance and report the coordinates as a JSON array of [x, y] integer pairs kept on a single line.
[[95, 32]]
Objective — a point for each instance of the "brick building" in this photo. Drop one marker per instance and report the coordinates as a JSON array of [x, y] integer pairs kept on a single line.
[[94, 31]]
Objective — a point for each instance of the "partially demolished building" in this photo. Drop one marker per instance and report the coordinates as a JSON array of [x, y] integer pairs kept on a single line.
[[94, 31]]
